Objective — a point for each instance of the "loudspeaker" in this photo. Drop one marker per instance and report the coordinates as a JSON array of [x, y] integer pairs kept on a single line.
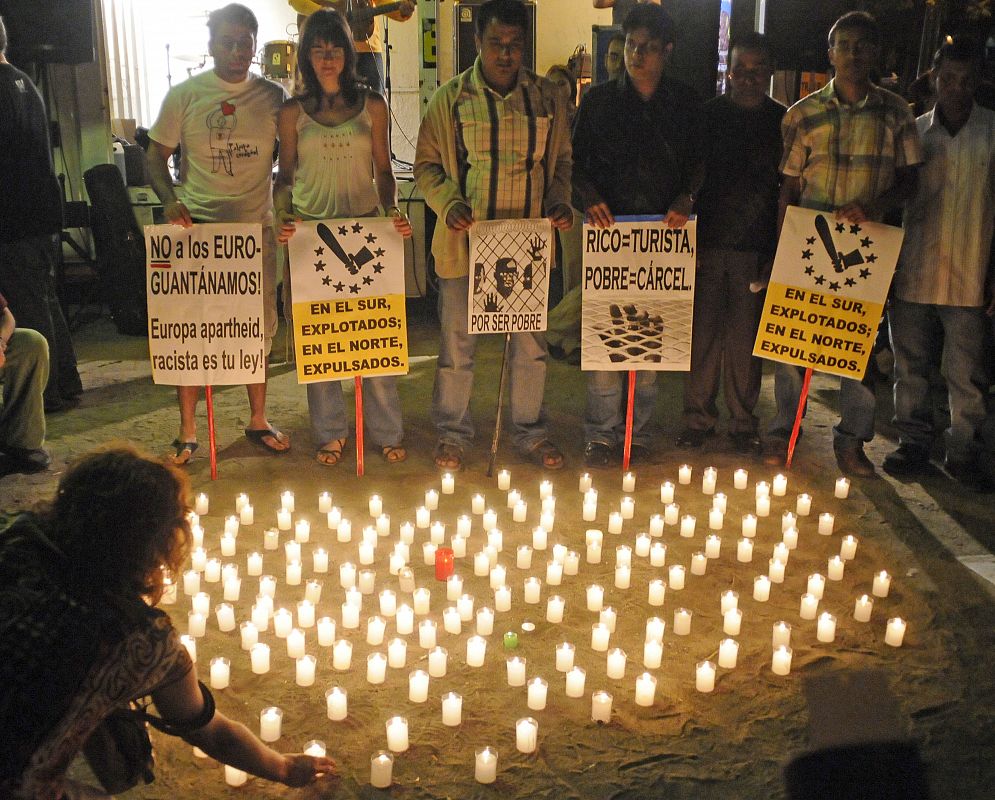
[[49, 32], [464, 46]]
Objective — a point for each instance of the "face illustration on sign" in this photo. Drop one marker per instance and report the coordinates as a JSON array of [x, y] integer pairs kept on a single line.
[[505, 276]]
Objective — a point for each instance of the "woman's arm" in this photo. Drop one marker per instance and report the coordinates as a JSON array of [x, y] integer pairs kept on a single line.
[[383, 172], [283, 203]]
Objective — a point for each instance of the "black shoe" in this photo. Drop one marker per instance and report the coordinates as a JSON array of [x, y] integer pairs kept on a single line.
[[692, 438], [908, 459], [745, 442], [597, 454], [970, 475], [852, 461], [27, 460], [640, 454], [775, 451]]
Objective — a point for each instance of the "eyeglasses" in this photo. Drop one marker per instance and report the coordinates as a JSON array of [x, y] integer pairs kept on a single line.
[[650, 48], [245, 43]]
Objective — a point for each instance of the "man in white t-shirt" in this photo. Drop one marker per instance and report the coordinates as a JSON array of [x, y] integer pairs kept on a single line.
[[225, 123]]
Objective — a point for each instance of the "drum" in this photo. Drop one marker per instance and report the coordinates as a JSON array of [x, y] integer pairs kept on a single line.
[[279, 60]]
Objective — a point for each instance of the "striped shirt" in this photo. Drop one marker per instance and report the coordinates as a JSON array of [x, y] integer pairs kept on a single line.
[[948, 224], [848, 153], [501, 146]]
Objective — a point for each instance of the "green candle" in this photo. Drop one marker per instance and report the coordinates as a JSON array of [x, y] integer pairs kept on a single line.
[[511, 641]]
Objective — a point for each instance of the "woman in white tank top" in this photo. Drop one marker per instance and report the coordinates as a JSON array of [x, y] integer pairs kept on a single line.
[[334, 164]]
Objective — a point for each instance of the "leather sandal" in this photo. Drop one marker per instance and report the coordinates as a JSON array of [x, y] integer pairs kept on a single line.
[[545, 454], [448, 456], [331, 454], [393, 453]]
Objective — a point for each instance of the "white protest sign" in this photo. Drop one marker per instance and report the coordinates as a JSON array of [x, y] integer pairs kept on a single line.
[[638, 295], [827, 292], [347, 279], [205, 302], [509, 275]]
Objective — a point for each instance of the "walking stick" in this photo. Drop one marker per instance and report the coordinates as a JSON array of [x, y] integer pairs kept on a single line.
[[211, 438], [500, 405], [803, 397], [630, 402], [359, 425]]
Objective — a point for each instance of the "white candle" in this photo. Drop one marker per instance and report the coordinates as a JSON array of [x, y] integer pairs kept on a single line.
[[539, 538], [826, 627], [809, 606], [201, 603], [228, 545], [780, 485], [554, 573], [825, 523], [454, 587], [834, 569], [687, 526], [585, 482], [655, 628], [270, 723], [657, 592], [254, 564], [249, 634], [781, 635], [599, 637], [294, 573], [744, 550], [627, 507], [564, 657], [292, 550], [476, 650], [283, 519], [658, 554], [749, 525], [458, 543], [788, 520], [302, 531], [350, 616], [383, 524], [196, 624], [376, 668], [732, 621], [708, 478], [842, 488], [260, 616], [375, 628], [895, 632], [344, 531], [728, 653], [489, 520], [781, 660], [235, 776], [645, 689], [381, 770], [615, 523], [882, 584], [485, 622], [594, 552], [397, 734], [740, 478], [421, 517], [589, 511], [305, 670], [715, 518], [862, 608], [623, 576], [803, 505], [438, 662], [704, 676], [575, 680], [554, 609], [342, 655], [671, 514], [763, 506], [198, 559], [448, 483], [652, 653], [713, 546], [533, 588], [428, 553], [504, 480], [427, 630], [616, 663], [485, 767], [477, 504], [463, 525], [202, 504], [682, 622], [336, 703], [452, 709], [431, 499], [536, 695], [326, 632], [514, 497], [790, 538], [225, 615], [451, 621], [305, 613], [283, 621], [699, 563], [437, 533], [608, 616], [407, 532], [519, 511], [220, 672], [516, 671], [347, 575], [848, 548], [684, 474], [676, 577], [502, 599], [271, 539], [595, 597], [775, 570], [526, 735], [601, 706], [523, 558], [761, 588], [729, 599], [816, 585], [762, 489]]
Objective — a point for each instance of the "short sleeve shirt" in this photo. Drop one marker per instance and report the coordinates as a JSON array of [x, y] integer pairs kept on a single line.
[[848, 153], [227, 133]]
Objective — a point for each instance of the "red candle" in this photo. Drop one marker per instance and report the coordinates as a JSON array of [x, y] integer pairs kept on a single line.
[[443, 563]]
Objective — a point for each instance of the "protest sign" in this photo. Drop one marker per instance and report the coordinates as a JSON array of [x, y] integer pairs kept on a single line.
[[205, 302], [638, 295], [827, 292], [347, 279], [510, 261]]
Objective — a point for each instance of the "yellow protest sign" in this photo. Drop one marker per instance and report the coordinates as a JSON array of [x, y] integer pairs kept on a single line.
[[347, 280], [827, 292]]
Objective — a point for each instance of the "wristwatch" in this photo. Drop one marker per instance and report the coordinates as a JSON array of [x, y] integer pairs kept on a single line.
[[394, 211]]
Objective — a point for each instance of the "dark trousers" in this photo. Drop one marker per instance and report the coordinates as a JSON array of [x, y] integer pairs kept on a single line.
[[726, 315], [27, 280]]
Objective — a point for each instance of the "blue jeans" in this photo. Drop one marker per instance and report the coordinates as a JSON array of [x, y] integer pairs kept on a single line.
[[604, 421], [922, 335], [454, 375], [381, 411], [857, 404]]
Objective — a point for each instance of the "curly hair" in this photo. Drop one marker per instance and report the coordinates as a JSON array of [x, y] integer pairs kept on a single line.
[[329, 26], [121, 518]]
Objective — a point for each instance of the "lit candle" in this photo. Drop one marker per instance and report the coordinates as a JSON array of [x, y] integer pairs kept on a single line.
[[477, 504], [294, 573], [682, 622], [498, 574], [431, 499], [260, 616], [761, 588], [834, 569], [326, 632], [740, 478], [336, 703], [790, 538], [342, 655], [671, 513], [451, 621], [615, 523], [292, 550], [627, 507], [895, 632], [608, 616], [645, 689], [763, 506], [485, 768], [381, 770], [775, 570], [283, 519], [744, 550], [539, 538], [235, 776], [376, 668], [476, 650], [564, 657], [594, 550], [809, 606], [589, 511], [302, 531], [201, 603], [438, 662], [350, 616], [270, 723], [437, 533], [383, 524], [196, 624], [704, 676], [198, 559], [749, 525], [762, 489], [448, 483], [421, 517], [458, 544], [862, 608], [623, 576], [502, 598], [825, 523], [687, 526], [428, 553], [545, 489], [463, 525], [220, 672], [715, 518], [655, 527], [407, 532], [427, 629], [202, 504], [595, 597], [333, 517], [728, 653], [599, 637], [657, 592], [536, 696], [249, 634], [684, 474], [504, 480], [658, 554], [781, 660], [305, 670], [575, 680], [554, 573], [842, 488], [816, 585], [655, 628], [489, 520], [732, 621], [554, 609], [533, 588], [485, 621], [481, 564], [803, 505], [343, 533], [526, 734], [713, 546], [514, 497], [519, 511], [452, 709], [781, 552], [652, 653], [781, 634], [699, 563], [826, 627], [228, 545], [616, 664], [225, 615], [708, 478], [676, 577], [516, 671], [523, 558], [271, 539], [882, 584], [848, 548], [780, 485], [397, 734], [375, 628], [601, 706], [585, 482]]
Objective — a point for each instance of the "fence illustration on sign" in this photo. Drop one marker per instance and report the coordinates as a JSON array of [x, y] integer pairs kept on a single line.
[[509, 275]]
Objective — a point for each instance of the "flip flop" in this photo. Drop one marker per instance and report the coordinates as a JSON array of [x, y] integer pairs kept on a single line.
[[393, 454], [448, 456], [258, 437], [333, 453], [182, 452], [545, 454]]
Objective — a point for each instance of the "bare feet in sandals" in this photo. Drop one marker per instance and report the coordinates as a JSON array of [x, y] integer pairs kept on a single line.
[[332, 453], [545, 454], [448, 456], [393, 454]]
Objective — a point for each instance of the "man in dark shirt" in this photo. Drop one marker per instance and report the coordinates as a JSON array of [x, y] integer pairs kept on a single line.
[[737, 224], [30, 224], [635, 152]]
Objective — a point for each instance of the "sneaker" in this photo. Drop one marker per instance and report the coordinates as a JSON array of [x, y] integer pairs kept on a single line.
[[908, 459], [692, 438], [775, 451], [597, 454], [852, 460], [745, 442], [969, 475]]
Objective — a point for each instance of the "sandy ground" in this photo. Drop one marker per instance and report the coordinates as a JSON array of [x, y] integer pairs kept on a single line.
[[732, 742]]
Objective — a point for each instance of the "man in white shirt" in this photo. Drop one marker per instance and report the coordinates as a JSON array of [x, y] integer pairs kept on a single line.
[[225, 122], [943, 284]]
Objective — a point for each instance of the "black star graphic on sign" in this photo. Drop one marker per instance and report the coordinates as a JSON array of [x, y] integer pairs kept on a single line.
[[820, 279], [871, 258], [326, 281], [357, 228], [343, 230], [835, 286], [840, 227], [319, 266], [339, 286], [378, 252], [865, 273], [806, 254], [809, 269], [810, 240], [850, 282], [367, 280], [354, 288], [866, 242], [320, 251], [855, 229], [371, 238], [378, 268]]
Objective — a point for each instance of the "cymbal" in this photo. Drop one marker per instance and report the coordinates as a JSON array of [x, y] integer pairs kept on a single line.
[[192, 57]]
